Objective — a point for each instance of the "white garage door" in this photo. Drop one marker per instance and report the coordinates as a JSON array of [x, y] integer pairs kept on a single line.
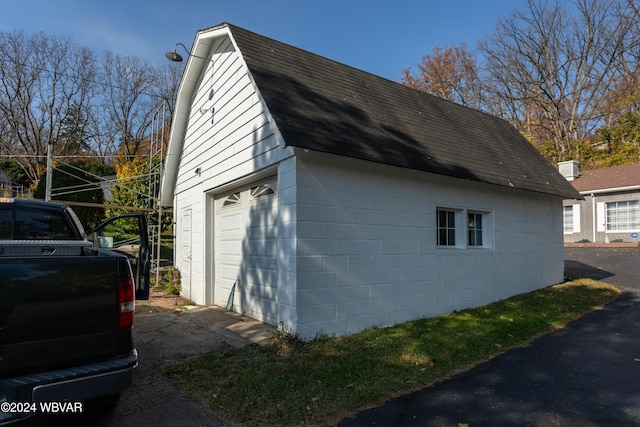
[[246, 268]]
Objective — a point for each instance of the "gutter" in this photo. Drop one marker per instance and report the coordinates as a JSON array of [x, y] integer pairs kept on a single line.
[[611, 190], [593, 217]]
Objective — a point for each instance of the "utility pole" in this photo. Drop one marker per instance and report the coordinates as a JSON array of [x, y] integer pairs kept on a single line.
[[49, 176]]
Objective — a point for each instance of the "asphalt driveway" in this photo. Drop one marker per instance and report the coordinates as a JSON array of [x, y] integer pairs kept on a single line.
[[618, 266], [587, 374]]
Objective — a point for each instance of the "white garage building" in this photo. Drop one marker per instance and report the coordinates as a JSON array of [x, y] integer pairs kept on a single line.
[[323, 197]]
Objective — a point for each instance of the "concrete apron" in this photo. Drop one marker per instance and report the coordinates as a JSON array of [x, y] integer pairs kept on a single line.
[[167, 337], [237, 330]]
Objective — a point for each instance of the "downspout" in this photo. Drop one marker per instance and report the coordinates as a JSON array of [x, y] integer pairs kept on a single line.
[[593, 216]]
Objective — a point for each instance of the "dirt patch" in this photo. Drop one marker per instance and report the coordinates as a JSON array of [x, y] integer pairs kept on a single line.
[[160, 302]]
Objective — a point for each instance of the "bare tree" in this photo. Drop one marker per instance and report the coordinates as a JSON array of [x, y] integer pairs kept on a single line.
[[624, 96], [549, 68], [634, 7], [449, 73], [169, 76], [44, 85], [129, 101]]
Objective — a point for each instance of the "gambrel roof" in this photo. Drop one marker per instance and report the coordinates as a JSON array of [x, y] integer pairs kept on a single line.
[[322, 105]]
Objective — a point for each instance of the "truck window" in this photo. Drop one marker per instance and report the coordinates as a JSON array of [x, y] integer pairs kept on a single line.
[[123, 233], [6, 224], [39, 224]]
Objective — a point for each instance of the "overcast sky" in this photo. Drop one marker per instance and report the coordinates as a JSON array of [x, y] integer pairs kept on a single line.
[[368, 34]]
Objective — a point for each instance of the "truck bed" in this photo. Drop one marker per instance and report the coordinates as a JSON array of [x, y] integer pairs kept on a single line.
[[67, 301], [66, 305], [31, 248]]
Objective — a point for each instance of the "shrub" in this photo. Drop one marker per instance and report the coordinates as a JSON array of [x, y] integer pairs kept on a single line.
[[170, 281]]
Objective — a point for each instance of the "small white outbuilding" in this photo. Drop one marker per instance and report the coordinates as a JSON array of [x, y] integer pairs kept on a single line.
[[314, 195]]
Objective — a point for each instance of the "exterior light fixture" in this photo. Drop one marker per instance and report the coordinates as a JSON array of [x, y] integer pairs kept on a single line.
[[176, 57]]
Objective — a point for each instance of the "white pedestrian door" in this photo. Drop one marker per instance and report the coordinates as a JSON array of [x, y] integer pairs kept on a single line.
[[246, 268]]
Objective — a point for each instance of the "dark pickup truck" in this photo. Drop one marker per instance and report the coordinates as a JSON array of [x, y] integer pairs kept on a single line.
[[66, 306]]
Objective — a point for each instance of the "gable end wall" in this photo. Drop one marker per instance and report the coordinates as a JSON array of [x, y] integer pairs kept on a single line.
[[229, 137]]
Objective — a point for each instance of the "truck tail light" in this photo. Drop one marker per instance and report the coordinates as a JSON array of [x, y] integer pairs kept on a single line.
[[126, 302]]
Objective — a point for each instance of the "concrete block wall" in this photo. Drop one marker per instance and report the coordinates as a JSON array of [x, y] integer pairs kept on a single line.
[[287, 267], [366, 252]]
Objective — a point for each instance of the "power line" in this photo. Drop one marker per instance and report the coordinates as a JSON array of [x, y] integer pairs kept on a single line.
[[100, 205], [44, 156], [95, 82]]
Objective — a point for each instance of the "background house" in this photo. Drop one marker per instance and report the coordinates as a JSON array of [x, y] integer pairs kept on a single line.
[[610, 210], [10, 189], [323, 197], [5, 180]]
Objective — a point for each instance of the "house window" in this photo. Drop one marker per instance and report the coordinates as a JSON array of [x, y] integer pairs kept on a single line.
[[567, 219], [474, 227], [446, 227], [623, 216], [451, 228]]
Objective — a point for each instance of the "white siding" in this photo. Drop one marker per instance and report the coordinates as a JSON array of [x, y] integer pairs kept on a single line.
[[185, 252], [367, 254], [190, 262], [229, 136], [237, 138]]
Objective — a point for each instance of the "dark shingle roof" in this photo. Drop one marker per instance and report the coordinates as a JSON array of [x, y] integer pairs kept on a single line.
[[613, 177], [326, 106]]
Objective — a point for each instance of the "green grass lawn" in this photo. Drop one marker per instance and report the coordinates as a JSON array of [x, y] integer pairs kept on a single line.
[[285, 381]]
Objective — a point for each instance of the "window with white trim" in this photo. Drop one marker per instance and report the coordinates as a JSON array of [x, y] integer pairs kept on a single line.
[[567, 219], [446, 227], [474, 228], [462, 228], [623, 216]]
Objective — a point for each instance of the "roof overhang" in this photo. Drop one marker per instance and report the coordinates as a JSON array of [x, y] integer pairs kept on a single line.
[[196, 64], [611, 190]]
